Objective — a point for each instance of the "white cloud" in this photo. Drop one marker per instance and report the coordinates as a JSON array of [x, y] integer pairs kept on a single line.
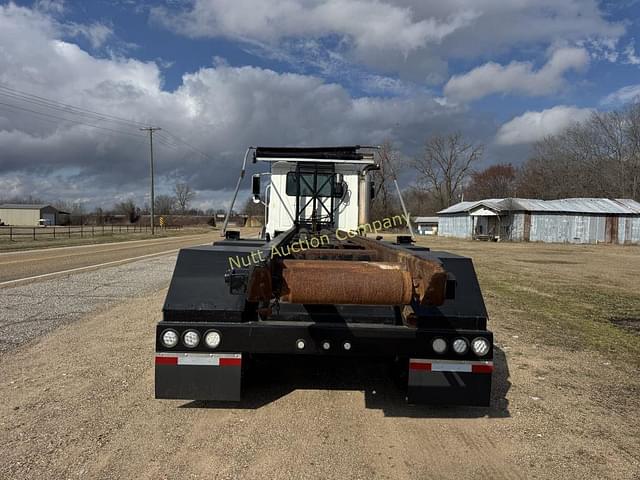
[[632, 57], [50, 6], [517, 77], [416, 38], [369, 25], [220, 110], [623, 95], [96, 33], [532, 126]]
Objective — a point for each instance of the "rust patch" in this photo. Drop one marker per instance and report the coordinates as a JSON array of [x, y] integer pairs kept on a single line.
[[429, 278], [260, 287], [338, 254], [339, 282]]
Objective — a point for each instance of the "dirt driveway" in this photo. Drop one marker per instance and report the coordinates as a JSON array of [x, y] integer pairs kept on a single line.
[[78, 402]]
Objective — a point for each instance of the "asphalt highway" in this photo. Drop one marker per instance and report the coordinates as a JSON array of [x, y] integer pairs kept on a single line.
[[45, 263]]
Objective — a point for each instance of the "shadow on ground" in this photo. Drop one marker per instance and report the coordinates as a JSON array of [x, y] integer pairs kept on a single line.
[[268, 379]]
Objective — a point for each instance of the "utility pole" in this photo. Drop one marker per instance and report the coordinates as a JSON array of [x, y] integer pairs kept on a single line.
[[151, 130]]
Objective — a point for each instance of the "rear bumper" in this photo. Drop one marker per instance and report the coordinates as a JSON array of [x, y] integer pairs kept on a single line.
[[364, 339], [204, 374]]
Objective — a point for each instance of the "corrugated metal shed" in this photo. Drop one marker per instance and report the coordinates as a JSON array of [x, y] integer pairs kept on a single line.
[[568, 205], [426, 225], [572, 220]]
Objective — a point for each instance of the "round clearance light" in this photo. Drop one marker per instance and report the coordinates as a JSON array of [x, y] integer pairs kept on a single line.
[[169, 338], [191, 338], [460, 346], [326, 345], [480, 346], [300, 344], [212, 339], [439, 345], [346, 345]]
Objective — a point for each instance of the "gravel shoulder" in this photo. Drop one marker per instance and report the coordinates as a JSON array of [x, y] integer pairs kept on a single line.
[[29, 311]]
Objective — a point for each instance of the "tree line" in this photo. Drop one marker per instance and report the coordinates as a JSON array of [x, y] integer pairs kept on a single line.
[[598, 157]]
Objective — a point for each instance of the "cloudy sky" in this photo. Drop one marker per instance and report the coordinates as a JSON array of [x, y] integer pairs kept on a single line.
[[220, 75]]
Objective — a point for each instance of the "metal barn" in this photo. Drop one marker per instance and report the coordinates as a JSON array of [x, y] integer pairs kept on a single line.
[[30, 214], [570, 220]]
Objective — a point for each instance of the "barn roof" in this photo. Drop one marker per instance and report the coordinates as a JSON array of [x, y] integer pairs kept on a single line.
[[425, 219], [623, 206]]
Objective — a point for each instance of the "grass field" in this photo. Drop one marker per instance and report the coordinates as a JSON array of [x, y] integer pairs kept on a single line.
[[26, 243], [578, 297]]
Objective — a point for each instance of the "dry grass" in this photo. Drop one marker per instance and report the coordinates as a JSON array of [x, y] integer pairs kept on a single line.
[[579, 297]]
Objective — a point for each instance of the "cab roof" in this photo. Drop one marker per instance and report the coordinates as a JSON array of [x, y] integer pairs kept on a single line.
[[343, 154]]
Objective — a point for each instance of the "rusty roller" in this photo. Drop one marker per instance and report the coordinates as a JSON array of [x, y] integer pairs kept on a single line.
[[340, 282]]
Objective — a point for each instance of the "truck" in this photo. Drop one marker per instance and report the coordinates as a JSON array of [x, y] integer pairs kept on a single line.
[[320, 281]]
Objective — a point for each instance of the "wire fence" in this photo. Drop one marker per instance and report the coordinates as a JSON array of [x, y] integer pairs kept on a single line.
[[77, 231]]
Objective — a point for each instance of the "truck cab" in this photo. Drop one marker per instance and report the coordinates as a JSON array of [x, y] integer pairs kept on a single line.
[[327, 188]]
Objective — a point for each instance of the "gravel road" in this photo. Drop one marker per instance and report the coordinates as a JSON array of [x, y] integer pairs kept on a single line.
[[78, 403]]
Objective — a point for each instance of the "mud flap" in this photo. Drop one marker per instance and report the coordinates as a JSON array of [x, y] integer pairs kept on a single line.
[[449, 382], [198, 376]]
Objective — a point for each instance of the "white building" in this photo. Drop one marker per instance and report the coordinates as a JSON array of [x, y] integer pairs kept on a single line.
[[426, 225], [30, 215]]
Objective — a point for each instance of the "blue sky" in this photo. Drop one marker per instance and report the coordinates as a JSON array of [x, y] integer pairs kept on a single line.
[[222, 74]]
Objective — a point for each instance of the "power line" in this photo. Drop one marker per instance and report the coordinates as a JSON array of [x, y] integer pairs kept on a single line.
[[184, 142], [85, 116], [65, 107], [35, 112]]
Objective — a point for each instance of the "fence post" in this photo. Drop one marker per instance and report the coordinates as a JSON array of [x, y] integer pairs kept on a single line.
[[81, 233], [11, 234], [54, 233], [34, 233], [93, 231], [69, 227]]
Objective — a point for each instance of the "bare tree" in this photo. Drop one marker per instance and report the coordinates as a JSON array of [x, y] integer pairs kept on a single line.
[[253, 209], [632, 135], [445, 165], [599, 157], [385, 200], [164, 204], [128, 208], [184, 195], [496, 181], [420, 202]]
